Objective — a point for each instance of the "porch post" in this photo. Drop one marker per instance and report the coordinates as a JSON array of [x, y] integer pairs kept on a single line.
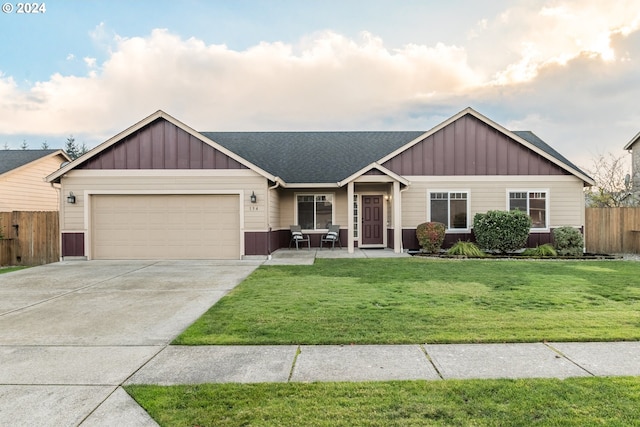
[[350, 225], [397, 218]]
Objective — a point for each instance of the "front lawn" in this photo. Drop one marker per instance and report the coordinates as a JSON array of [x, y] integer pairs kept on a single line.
[[570, 402], [417, 300]]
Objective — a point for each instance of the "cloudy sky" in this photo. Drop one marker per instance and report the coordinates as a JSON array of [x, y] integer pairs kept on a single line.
[[567, 70]]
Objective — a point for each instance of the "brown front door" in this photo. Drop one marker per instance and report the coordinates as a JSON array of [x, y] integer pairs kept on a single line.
[[372, 221]]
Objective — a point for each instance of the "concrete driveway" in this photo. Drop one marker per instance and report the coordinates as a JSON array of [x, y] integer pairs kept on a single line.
[[72, 332]]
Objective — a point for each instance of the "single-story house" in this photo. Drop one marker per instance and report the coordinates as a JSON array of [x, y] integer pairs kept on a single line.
[[161, 189], [22, 179]]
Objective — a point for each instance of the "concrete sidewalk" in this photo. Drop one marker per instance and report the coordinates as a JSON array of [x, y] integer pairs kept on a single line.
[[72, 333], [251, 364]]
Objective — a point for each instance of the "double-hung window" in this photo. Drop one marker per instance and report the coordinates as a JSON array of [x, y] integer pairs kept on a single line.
[[315, 211], [450, 208], [534, 203]]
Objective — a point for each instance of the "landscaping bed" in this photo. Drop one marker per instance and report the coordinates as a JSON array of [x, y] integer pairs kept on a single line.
[[518, 256]]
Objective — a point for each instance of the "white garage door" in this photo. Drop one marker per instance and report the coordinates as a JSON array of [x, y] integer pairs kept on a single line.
[[165, 227]]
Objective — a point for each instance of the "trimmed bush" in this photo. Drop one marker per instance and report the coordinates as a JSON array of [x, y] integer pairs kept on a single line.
[[502, 231], [541, 251], [468, 249], [430, 236], [568, 241]]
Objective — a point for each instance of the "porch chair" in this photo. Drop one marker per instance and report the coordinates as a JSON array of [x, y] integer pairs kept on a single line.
[[298, 237], [332, 237]]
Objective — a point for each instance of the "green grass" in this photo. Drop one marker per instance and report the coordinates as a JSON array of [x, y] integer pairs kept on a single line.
[[418, 300], [532, 402], [10, 269]]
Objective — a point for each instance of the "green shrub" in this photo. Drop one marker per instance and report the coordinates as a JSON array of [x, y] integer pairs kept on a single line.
[[430, 236], [502, 231], [568, 241], [541, 251], [468, 249]]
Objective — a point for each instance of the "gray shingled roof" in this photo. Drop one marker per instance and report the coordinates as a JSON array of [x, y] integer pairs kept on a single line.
[[329, 157], [535, 140], [13, 159], [312, 157]]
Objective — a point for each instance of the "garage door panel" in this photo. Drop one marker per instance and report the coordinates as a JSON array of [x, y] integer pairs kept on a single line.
[[165, 227]]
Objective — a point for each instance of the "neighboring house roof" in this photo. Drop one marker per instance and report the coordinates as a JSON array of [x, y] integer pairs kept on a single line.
[[312, 157], [11, 160], [630, 144]]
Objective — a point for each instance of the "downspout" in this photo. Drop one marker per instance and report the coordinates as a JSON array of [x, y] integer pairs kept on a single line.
[[60, 215], [277, 184]]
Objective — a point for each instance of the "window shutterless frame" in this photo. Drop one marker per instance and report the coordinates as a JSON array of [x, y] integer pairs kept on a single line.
[[450, 207], [314, 211], [535, 202]]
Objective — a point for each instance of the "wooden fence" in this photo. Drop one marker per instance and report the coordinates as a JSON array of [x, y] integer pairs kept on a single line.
[[30, 238], [612, 230]]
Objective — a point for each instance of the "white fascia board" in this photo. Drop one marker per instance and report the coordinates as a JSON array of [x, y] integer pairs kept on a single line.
[[375, 165]]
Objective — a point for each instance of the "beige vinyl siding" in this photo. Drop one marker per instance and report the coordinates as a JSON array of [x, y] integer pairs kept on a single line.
[[566, 201], [274, 209], [242, 182], [25, 189]]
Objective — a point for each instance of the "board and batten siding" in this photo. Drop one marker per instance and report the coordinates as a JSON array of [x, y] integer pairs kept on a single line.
[[242, 182], [25, 189], [566, 199]]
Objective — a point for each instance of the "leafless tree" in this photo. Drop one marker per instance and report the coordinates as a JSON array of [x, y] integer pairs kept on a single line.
[[613, 185]]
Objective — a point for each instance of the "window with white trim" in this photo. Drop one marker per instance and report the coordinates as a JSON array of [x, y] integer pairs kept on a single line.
[[315, 211], [534, 203], [450, 208]]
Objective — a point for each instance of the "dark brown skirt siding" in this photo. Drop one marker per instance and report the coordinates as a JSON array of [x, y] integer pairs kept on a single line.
[[73, 244], [469, 146], [161, 145], [280, 239], [256, 243]]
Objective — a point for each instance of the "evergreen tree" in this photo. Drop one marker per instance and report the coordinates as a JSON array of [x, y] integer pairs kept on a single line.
[[45, 146], [71, 148], [24, 145]]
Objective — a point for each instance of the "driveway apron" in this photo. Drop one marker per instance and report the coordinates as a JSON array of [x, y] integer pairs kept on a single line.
[[72, 332]]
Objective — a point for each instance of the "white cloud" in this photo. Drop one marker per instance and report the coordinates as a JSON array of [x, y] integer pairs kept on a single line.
[[566, 70], [90, 62], [325, 79]]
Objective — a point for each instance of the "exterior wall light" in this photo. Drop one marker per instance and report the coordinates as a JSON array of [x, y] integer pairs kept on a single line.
[[253, 197], [71, 198]]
